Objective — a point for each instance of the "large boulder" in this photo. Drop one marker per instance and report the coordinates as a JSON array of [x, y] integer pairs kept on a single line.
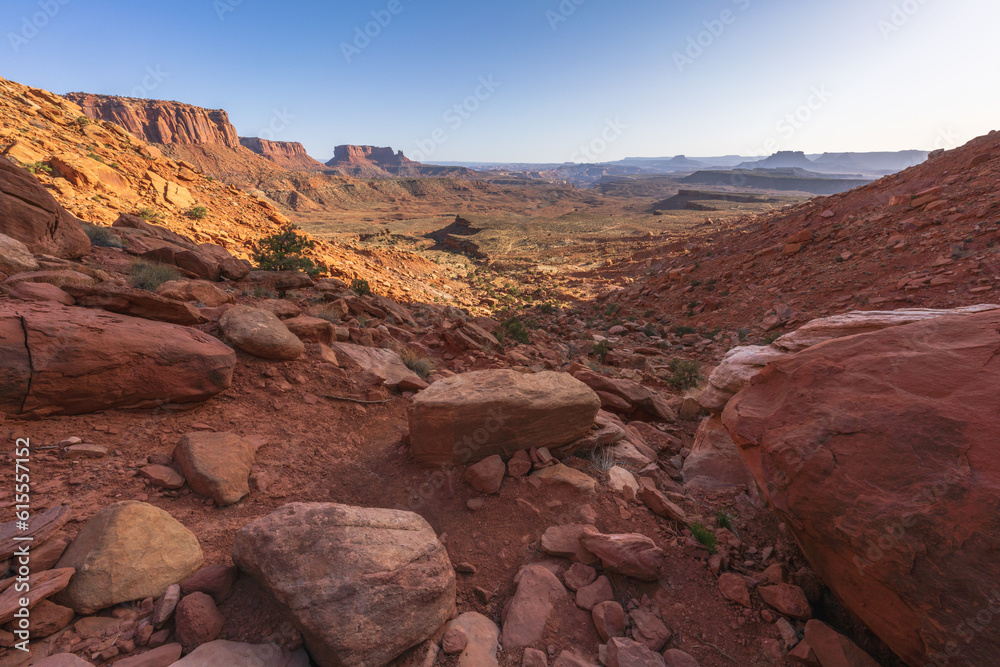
[[714, 463], [639, 402], [260, 333], [469, 417], [527, 613], [216, 465], [15, 256], [221, 653], [136, 303], [364, 585], [60, 360], [127, 551], [879, 452], [30, 214], [384, 365], [198, 291]]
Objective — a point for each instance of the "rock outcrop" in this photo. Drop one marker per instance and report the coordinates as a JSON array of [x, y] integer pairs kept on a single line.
[[879, 452], [62, 360], [469, 417], [364, 585], [31, 215], [161, 122], [288, 154]]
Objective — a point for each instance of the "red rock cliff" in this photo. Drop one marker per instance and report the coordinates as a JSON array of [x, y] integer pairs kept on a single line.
[[161, 122], [288, 154]]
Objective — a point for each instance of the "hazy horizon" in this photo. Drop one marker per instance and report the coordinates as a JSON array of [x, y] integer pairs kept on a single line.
[[536, 82]]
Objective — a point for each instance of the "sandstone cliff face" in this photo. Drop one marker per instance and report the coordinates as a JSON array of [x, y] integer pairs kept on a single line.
[[287, 154], [161, 122]]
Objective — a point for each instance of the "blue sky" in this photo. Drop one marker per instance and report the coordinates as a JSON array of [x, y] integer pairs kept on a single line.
[[537, 80]]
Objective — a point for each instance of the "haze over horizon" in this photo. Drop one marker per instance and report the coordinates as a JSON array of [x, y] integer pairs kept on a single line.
[[550, 81]]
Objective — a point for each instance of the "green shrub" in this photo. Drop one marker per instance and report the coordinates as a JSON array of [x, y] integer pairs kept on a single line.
[[283, 252], [770, 338], [102, 237], [361, 287], [704, 535], [262, 292], [150, 215], [610, 309], [683, 331], [547, 308], [684, 374], [724, 519], [36, 167], [197, 213], [514, 330], [82, 121], [95, 156], [150, 275], [601, 349]]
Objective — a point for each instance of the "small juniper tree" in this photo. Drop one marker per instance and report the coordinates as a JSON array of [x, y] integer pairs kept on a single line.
[[283, 252]]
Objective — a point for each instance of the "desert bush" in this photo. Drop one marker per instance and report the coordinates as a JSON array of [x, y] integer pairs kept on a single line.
[[704, 535], [603, 458], [102, 237], [150, 275], [422, 366], [150, 215], [197, 213], [601, 349], [513, 329], [361, 287], [283, 252], [684, 374], [724, 519], [36, 167], [329, 313]]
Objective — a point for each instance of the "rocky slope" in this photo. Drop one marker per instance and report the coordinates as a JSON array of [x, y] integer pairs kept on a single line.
[[288, 154], [928, 236], [97, 170]]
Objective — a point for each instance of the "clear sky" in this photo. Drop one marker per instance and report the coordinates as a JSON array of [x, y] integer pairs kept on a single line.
[[617, 78]]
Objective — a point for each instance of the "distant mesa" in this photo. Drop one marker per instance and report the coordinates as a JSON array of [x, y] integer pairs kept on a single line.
[[781, 160], [288, 154], [371, 162], [161, 122]]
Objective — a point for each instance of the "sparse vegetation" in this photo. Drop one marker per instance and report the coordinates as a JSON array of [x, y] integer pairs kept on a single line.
[[684, 374], [704, 535], [284, 252], [102, 237], [724, 519], [683, 330], [513, 329], [361, 287], [82, 121], [610, 309], [95, 156], [743, 333], [262, 292], [329, 313], [150, 215], [197, 213], [422, 366], [603, 458], [601, 349], [150, 275], [770, 338], [36, 167]]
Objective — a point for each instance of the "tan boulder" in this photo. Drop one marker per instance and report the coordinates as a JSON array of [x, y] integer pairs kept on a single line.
[[197, 291], [260, 333], [526, 615], [469, 417], [216, 465], [384, 365], [714, 463], [85, 172], [15, 256], [632, 555], [364, 585], [127, 551]]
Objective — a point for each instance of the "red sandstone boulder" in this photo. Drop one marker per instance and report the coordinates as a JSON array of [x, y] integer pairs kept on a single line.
[[879, 452], [31, 215], [61, 360]]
